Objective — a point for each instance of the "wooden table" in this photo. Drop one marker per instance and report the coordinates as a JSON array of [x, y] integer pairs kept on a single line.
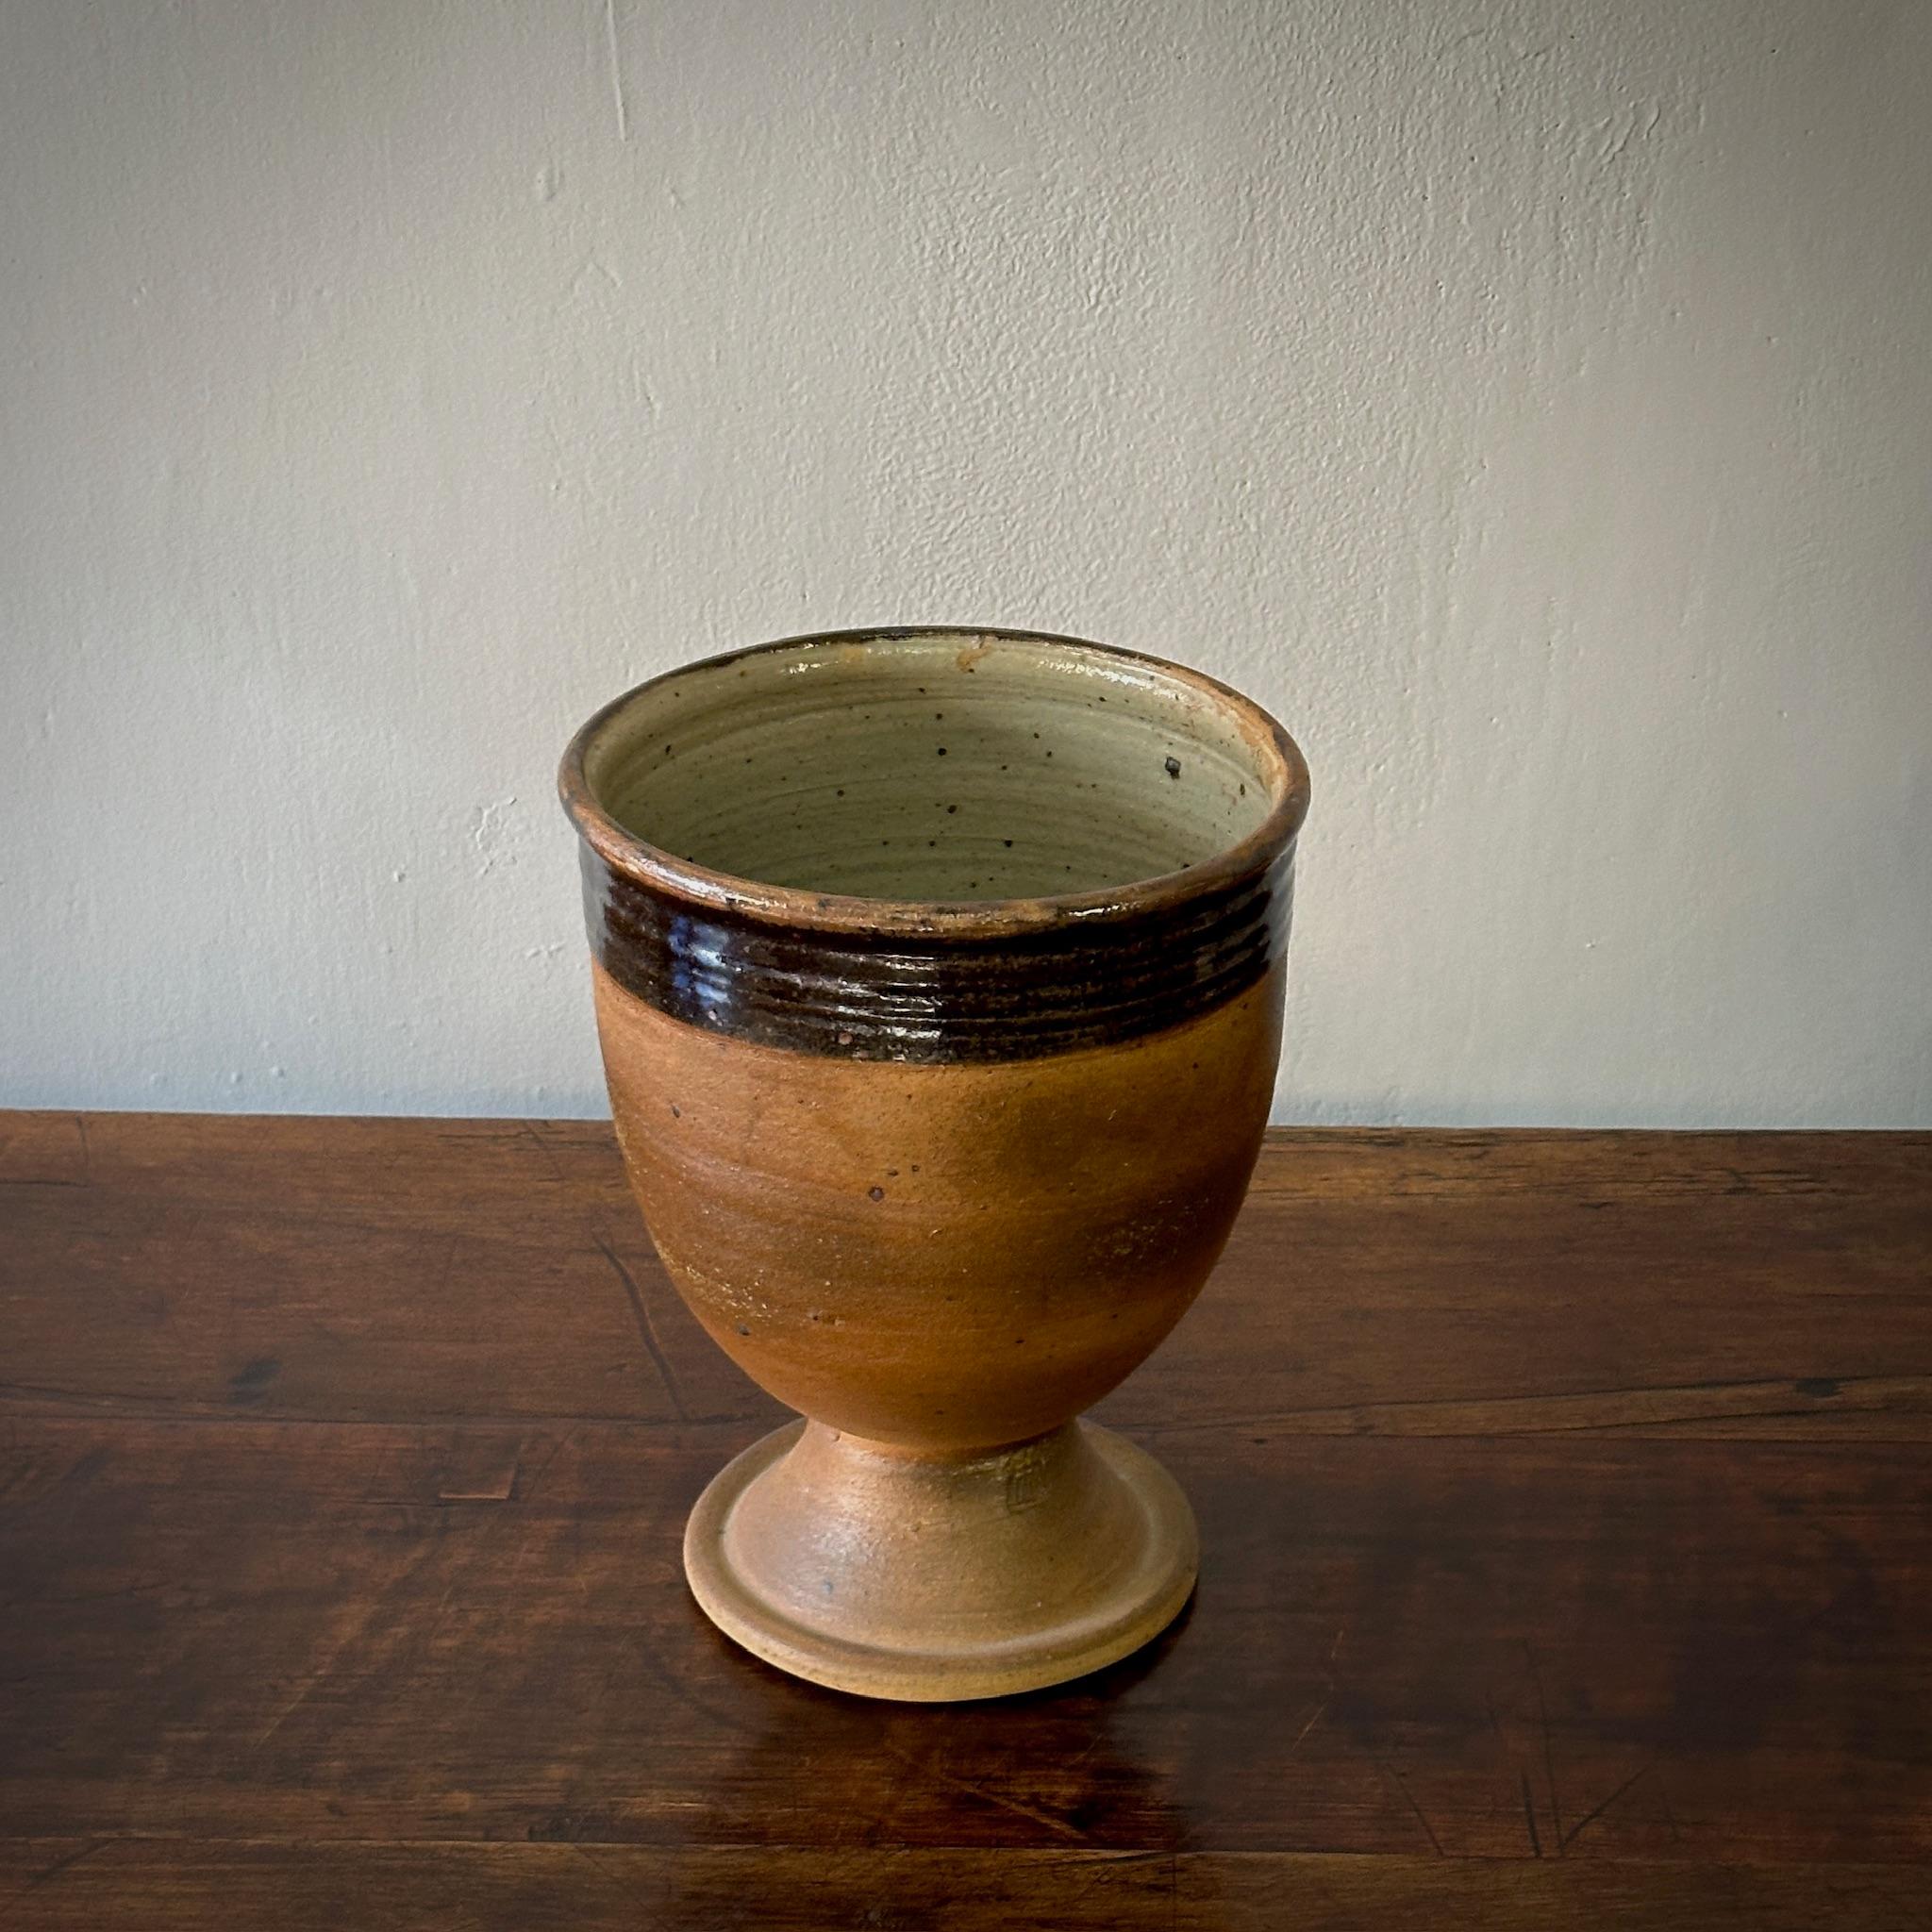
[[1566, 1502]]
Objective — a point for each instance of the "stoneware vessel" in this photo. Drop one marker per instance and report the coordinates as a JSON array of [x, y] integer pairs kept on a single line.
[[939, 980]]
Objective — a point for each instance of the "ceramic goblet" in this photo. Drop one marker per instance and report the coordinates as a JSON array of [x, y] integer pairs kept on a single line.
[[939, 981]]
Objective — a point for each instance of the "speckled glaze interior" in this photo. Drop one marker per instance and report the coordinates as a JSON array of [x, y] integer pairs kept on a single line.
[[955, 766]]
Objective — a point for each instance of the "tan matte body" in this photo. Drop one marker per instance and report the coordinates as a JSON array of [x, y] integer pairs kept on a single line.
[[941, 1257]]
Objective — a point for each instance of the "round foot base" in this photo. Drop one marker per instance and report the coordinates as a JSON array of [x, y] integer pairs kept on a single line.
[[929, 1580]]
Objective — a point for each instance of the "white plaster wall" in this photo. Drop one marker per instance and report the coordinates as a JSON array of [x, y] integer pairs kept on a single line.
[[1529, 399]]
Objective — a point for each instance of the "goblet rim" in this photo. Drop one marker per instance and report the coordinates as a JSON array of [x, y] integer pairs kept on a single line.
[[635, 858]]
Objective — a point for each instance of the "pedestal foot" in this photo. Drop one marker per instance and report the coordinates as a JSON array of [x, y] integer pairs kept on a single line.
[[930, 1578]]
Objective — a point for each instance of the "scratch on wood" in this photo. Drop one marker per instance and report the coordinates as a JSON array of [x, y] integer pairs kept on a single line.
[[681, 1692], [1003, 1800], [1663, 1799], [642, 1312], [1588, 1412], [86, 1151], [50, 1873], [543, 1469], [614, 1881], [1536, 1843], [1394, 1777], [1542, 1712], [528, 1132], [1595, 1812], [617, 96], [321, 1667], [1315, 1717]]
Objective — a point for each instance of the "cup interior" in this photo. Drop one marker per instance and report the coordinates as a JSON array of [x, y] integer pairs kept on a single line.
[[951, 766]]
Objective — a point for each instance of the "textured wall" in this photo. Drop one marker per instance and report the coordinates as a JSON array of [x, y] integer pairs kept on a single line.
[[1531, 402]]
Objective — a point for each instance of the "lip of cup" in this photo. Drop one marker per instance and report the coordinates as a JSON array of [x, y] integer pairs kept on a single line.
[[1060, 676]]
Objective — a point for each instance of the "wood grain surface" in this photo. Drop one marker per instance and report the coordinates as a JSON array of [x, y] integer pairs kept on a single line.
[[1566, 1502]]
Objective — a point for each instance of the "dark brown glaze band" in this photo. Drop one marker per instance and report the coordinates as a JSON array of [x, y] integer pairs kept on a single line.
[[941, 996]]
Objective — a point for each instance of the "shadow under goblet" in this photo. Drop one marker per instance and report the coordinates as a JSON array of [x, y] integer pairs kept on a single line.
[[939, 981]]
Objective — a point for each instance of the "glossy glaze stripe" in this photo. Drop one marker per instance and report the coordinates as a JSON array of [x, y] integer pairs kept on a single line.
[[938, 997]]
